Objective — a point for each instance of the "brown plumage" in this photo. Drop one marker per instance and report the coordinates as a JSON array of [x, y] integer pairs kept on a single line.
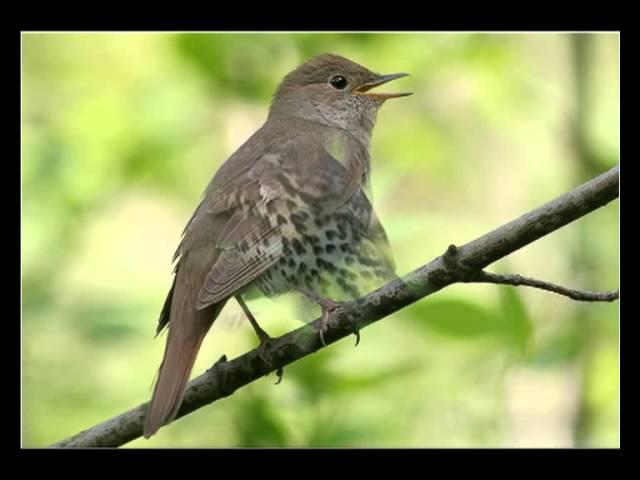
[[288, 210]]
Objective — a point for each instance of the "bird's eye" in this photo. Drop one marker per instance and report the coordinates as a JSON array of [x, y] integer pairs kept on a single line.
[[338, 82]]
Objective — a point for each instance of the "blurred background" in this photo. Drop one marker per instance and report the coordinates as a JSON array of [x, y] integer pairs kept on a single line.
[[122, 132]]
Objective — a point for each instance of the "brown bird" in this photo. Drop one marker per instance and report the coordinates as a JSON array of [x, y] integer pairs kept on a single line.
[[287, 211]]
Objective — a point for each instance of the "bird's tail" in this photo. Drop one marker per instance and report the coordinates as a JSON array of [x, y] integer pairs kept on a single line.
[[187, 329]]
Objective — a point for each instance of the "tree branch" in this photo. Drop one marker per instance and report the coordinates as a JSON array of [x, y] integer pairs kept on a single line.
[[225, 377], [519, 280]]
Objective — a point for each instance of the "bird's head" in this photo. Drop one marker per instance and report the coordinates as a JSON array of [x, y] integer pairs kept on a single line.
[[335, 91]]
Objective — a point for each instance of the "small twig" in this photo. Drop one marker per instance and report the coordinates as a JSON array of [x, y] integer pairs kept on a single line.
[[518, 280], [467, 274]]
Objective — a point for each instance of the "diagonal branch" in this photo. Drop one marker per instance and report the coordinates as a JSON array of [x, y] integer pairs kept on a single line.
[[225, 377]]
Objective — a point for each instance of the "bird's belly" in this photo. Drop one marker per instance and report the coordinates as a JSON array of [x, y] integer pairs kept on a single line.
[[329, 255]]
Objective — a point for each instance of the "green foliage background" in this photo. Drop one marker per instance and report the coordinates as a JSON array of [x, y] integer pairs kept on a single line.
[[121, 133]]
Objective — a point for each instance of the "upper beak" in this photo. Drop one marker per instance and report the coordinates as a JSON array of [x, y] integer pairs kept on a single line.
[[381, 80]]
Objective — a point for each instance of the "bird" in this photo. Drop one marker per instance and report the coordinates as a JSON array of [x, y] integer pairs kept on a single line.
[[289, 211]]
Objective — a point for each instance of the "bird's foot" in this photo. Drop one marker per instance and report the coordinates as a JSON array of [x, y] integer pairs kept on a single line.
[[263, 352], [263, 347], [329, 308], [264, 337]]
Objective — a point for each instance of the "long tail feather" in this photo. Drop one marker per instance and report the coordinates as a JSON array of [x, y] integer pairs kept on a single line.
[[183, 343]]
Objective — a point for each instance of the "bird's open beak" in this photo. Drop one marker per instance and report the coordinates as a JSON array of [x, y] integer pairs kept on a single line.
[[381, 80]]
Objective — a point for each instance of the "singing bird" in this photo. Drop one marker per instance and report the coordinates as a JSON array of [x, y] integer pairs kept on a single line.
[[288, 211]]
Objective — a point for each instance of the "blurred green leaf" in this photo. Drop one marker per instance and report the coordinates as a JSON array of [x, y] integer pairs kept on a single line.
[[106, 322], [238, 70], [516, 322], [336, 431], [348, 383], [456, 318], [463, 319], [258, 424], [313, 374]]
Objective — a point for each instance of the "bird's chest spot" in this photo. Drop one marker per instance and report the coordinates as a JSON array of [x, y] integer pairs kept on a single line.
[[311, 251]]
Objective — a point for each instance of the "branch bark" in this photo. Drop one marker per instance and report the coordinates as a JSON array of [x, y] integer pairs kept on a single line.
[[225, 377], [518, 280]]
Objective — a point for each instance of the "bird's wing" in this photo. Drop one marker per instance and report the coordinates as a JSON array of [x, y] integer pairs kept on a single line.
[[250, 247], [252, 241]]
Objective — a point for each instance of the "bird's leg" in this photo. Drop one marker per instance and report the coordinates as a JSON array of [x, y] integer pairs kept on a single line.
[[260, 333], [263, 336], [328, 307]]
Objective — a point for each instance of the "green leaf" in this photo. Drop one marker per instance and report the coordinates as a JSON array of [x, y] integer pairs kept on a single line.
[[313, 374], [517, 326], [353, 383], [464, 319], [107, 322], [258, 424], [239, 70], [456, 318]]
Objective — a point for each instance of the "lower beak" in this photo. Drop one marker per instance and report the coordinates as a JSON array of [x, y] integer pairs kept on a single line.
[[381, 80]]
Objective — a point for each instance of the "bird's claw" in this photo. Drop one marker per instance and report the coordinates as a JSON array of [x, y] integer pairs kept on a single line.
[[329, 308], [279, 373], [263, 353], [357, 334]]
